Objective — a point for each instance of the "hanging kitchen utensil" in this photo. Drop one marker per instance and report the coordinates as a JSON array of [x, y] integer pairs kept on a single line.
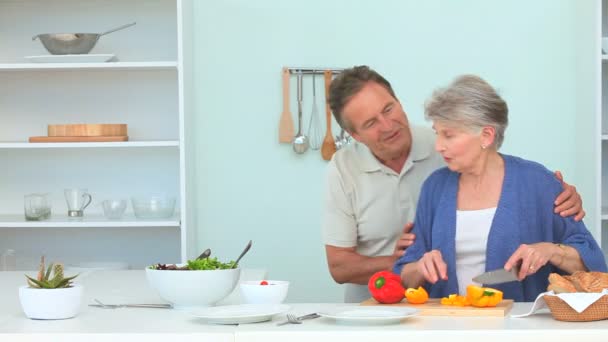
[[329, 145], [300, 142], [315, 133], [286, 122]]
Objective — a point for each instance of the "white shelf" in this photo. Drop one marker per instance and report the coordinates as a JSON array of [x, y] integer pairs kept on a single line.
[[18, 221], [121, 144], [163, 65], [604, 213]]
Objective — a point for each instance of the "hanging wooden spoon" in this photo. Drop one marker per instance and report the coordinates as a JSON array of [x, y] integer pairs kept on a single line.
[[329, 145], [286, 129]]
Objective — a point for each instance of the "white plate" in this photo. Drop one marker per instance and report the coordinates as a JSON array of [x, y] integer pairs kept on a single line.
[[368, 315], [84, 58], [237, 314]]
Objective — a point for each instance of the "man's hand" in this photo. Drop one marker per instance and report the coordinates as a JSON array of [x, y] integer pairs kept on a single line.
[[405, 240], [569, 202]]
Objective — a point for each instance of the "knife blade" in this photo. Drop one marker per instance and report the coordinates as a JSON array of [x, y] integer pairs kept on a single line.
[[497, 276]]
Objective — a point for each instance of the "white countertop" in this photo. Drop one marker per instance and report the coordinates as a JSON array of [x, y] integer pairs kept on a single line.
[[134, 324]]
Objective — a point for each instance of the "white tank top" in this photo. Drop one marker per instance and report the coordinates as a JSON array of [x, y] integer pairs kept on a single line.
[[472, 229]]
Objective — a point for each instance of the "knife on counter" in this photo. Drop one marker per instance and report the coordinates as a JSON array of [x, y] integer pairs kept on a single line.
[[498, 276]]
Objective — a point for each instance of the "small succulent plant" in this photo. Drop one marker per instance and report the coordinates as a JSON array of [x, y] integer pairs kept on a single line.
[[44, 280]]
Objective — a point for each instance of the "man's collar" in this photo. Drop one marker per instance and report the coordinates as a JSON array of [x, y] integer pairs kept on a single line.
[[422, 147]]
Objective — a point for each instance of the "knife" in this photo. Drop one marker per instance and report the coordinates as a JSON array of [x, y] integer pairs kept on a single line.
[[497, 276]]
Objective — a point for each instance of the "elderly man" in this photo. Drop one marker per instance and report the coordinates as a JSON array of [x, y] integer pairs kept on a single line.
[[374, 183]]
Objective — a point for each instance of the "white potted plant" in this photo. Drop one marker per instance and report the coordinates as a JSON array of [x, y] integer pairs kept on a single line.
[[50, 295]]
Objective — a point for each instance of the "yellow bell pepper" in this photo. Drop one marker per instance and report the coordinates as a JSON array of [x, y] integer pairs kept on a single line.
[[417, 296], [482, 297]]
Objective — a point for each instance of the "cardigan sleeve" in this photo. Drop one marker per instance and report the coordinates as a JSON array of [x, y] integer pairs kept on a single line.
[[567, 231], [429, 196]]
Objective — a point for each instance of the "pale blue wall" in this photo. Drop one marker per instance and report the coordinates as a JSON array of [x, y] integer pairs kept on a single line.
[[250, 187]]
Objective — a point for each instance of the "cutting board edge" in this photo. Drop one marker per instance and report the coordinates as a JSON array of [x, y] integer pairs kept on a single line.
[[501, 310]]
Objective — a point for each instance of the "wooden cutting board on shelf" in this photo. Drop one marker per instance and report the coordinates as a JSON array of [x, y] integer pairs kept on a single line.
[[78, 139], [87, 130], [434, 308]]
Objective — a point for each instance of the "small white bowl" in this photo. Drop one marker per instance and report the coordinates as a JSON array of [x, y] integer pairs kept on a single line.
[[193, 288], [605, 45], [255, 293]]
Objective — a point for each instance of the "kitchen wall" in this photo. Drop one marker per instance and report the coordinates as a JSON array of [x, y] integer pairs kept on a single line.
[[537, 53]]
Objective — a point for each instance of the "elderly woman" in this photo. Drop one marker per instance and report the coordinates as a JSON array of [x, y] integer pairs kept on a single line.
[[488, 210]]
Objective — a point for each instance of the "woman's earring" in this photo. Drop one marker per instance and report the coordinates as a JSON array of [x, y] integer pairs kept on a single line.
[[483, 146]]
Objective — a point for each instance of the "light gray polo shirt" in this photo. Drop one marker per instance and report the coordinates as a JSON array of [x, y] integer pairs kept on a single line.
[[368, 204]]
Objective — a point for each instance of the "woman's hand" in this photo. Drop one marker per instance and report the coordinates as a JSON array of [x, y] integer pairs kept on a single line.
[[432, 267], [531, 258]]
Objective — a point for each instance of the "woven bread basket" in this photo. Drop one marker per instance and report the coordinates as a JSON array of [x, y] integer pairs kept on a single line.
[[561, 311]]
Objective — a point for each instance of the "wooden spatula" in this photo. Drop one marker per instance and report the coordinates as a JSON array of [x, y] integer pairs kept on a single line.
[[286, 130], [329, 145]]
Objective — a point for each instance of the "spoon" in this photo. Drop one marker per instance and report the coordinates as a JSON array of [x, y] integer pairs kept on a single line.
[[300, 141], [205, 254], [242, 254]]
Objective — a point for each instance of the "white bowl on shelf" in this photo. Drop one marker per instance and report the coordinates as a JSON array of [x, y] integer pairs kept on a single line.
[[605, 45]]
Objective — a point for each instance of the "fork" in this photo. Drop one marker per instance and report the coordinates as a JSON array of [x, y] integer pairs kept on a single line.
[[116, 306], [298, 320], [290, 319]]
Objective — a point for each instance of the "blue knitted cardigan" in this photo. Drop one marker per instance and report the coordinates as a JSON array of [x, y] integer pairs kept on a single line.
[[524, 216]]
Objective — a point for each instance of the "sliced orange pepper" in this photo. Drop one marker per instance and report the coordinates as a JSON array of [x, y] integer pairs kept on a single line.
[[416, 296], [482, 297], [455, 300]]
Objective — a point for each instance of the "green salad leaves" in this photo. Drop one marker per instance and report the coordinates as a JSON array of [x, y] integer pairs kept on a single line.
[[209, 264]]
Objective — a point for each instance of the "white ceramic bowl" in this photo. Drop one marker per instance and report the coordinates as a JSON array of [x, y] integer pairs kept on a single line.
[[605, 45], [273, 293], [189, 289]]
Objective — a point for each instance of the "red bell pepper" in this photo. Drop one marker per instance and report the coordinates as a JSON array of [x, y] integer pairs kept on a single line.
[[386, 287]]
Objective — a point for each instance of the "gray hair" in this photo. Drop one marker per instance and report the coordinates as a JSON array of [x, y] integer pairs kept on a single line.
[[348, 84], [471, 102]]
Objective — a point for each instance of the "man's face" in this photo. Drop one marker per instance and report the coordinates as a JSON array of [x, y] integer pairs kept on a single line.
[[378, 121]]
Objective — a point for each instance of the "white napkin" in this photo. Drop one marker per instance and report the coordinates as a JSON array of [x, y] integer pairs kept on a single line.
[[579, 301]]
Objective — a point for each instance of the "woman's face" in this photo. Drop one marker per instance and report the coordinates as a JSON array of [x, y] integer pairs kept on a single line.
[[459, 147]]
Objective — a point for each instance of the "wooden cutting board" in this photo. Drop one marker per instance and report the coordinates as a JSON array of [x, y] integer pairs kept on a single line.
[[78, 139], [87, 130], [434, 308]]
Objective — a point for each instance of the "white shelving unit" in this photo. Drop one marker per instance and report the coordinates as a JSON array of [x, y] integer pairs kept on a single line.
[[602, 125], [147, 86]]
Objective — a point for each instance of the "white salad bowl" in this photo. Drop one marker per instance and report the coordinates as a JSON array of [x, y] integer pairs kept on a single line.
[[186, 289]]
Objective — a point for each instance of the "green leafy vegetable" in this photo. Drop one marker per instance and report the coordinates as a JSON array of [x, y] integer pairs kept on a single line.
[[209, 264]]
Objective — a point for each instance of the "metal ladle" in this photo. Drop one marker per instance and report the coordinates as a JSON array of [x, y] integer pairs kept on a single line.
[[242, 254], [300, 141]]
